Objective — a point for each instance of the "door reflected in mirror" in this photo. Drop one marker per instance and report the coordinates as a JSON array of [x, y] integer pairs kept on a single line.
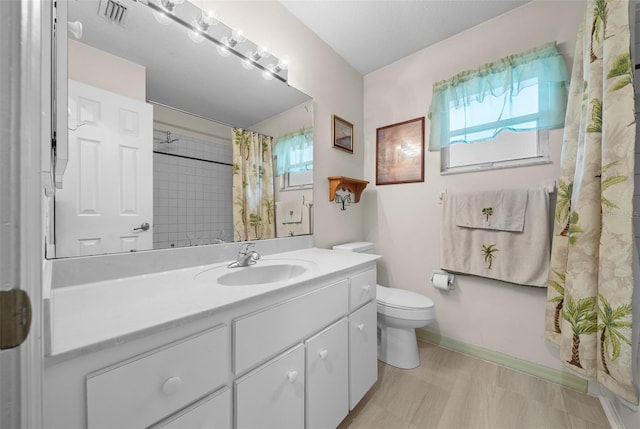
[[136, 158]]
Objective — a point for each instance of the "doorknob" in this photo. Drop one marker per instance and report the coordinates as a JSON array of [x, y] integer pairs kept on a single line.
[[144, 227]]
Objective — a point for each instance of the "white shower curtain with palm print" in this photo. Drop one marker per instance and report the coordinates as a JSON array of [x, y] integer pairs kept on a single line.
[[589, 309], [253, 194]]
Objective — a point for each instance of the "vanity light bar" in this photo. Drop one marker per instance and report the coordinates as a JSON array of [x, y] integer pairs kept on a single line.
[[225, 46]]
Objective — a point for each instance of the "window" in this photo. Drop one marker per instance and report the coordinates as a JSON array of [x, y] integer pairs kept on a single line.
[[294, 159], [499, 115]]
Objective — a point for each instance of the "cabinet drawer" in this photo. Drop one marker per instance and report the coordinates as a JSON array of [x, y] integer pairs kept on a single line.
[[143, 390], [327, 376], [363, 355], [261, 335], [272, 396], [362, 288], [212, 412]]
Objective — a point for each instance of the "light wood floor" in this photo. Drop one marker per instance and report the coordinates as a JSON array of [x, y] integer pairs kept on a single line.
[[450, 390]]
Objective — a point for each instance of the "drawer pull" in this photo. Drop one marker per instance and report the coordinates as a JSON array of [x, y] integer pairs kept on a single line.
[[171, 386], [292, 376], [323, 353], [360, 327], [366, 288]]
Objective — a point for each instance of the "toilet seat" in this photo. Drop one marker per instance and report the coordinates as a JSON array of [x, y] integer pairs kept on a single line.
[[404, 304], [401, 298]]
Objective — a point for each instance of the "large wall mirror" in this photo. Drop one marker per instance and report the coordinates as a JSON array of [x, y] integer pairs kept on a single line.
[[153, 116]]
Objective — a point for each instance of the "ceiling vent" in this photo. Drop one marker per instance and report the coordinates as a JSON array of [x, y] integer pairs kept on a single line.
[[113, 11]]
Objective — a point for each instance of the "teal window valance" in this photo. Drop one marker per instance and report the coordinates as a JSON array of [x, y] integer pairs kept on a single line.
[[521, 92], [294, 152]]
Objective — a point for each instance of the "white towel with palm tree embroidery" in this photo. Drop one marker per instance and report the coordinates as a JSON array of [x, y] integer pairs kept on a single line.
[[503, 235]]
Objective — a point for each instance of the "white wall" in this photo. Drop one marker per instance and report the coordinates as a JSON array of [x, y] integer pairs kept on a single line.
[[404, 220], [103, 70], [336, 88]]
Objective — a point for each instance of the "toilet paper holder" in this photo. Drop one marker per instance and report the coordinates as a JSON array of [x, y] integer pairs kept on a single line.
[[442, 280]]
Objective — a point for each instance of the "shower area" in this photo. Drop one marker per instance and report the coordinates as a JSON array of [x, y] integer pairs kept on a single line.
[[192, 199]]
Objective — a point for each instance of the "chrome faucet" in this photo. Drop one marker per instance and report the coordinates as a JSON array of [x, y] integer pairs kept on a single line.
[[246, 256]]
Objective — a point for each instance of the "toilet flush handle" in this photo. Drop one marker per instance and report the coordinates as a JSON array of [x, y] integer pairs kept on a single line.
[[361, 327], [323, 353], [366, 288]]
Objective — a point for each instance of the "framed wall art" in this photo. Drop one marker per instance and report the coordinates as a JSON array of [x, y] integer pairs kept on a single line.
[[400, 152], [342, 134]]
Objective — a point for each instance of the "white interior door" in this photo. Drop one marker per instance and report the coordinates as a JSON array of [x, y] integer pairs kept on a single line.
[[107, 189]]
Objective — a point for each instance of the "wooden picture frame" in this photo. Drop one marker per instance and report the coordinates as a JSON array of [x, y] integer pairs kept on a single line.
[[400, 152], [342, 133]]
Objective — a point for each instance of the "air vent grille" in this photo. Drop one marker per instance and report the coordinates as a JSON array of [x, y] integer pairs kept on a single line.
[[113, 11]]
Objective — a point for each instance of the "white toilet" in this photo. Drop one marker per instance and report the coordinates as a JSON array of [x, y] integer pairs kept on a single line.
[[400, 312]]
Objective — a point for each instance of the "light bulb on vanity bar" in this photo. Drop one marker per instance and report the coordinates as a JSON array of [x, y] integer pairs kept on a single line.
[[252, 57], [167, 7], [274, 69], [201, 25]]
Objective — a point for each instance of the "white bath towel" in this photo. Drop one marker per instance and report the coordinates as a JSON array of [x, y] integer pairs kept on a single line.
[[500, 253], [289, 212], [502, 210]]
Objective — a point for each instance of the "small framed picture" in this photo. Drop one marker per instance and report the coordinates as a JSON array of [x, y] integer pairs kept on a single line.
[[400, 152], [342, 134]]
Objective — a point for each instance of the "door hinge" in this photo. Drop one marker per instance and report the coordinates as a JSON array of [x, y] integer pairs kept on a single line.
[[15, 318]]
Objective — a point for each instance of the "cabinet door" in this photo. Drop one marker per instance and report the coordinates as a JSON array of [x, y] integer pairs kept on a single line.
[[272, 396], [212, 412], [363, 358], [327, 376]]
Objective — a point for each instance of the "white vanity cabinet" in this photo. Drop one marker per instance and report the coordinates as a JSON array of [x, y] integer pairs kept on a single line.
[[363, 348], [141, 391], [297, 357], [328, 376], [272, 396], [340, 351], [363, 335], [362, 289]]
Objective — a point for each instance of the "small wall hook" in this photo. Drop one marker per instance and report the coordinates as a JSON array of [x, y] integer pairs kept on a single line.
[[345, 200]]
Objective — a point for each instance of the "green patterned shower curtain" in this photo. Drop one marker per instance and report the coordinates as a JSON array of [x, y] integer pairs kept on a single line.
[[589, 308], [253, 194]]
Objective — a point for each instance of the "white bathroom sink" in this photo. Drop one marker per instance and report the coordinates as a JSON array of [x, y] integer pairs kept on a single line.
[[262, 272]]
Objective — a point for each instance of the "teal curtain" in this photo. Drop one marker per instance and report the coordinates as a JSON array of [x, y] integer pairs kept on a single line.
[[294, 152], [522, 92]]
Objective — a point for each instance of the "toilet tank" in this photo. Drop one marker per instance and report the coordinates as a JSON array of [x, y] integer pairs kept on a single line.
[[355, 246]]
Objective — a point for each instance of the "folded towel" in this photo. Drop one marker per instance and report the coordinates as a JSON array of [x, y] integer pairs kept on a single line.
[[289, 212], [511, 256], [500, 210]]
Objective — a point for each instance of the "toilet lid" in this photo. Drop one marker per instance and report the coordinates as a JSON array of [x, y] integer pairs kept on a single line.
[[401, 298]]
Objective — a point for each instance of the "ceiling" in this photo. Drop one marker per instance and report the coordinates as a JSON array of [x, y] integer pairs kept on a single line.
[[372, 34]]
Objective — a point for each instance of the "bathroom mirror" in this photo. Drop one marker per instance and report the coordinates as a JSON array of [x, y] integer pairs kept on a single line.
[[182, 99]]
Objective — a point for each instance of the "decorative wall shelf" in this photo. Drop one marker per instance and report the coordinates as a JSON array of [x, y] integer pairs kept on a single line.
[[355, 186]]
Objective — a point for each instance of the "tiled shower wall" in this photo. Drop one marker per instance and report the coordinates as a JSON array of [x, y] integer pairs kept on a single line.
[[192, 200]]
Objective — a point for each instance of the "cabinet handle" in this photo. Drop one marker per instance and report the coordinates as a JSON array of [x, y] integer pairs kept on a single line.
[[366, 288], [292, 376], [171, 386], [323, 353], [361, 327]]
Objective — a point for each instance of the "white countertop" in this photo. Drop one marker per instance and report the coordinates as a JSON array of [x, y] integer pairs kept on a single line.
[[92, 314]]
